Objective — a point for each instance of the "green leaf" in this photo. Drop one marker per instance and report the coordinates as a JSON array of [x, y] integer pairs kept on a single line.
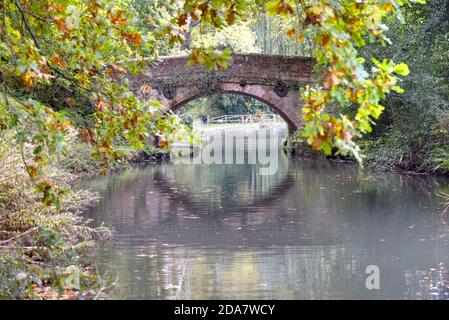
[[402, 69], [398, 89]]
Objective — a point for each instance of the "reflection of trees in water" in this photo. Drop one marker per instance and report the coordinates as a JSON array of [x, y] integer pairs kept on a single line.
[[311, 273], [444, 215], [287, 273], [432, 284]]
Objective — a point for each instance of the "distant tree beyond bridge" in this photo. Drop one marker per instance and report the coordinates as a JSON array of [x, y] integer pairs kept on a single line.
[[274, 80]]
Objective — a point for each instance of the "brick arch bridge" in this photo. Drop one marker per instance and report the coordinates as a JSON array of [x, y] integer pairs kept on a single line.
[[272, 79]]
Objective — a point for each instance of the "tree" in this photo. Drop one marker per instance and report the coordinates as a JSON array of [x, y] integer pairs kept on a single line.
[[82, 50], [413, 131]]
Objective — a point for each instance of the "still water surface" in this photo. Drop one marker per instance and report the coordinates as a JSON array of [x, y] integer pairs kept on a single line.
[[307, 232]]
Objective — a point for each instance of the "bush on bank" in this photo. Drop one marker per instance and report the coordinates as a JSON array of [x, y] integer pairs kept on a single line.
[[43, 249], [389, 152]]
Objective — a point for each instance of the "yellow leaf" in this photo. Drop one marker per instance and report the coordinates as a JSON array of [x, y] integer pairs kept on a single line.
[[27, 81], [300, 37], [163, 144]]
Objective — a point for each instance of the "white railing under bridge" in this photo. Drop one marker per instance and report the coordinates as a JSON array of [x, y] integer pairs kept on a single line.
[[244, 118]]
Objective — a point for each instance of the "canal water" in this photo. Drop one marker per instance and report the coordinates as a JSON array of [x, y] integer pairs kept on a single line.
[[308, 230]]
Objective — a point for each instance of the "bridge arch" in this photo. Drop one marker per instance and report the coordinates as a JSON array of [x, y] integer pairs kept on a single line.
[[273, 80], [255, 92]]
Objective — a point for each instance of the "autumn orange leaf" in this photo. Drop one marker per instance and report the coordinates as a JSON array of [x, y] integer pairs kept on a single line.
[[60, 22], [101, 105], [117, 19], [56, 59], [70, 102], [134, 37], [182, 19]]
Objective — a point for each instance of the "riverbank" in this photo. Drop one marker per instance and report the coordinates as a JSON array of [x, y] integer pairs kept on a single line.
[[45, 250], [386, 153]]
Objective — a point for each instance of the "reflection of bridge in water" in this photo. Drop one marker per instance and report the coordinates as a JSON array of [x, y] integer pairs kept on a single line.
[[190, 202], [178, 210]]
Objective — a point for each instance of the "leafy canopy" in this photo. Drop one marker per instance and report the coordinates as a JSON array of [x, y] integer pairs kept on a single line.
[[80, 50]]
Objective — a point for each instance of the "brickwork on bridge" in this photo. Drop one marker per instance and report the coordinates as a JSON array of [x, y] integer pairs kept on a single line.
[[274, 80]]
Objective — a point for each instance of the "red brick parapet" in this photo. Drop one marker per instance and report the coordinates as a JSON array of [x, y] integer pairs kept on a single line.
[[274, 80]]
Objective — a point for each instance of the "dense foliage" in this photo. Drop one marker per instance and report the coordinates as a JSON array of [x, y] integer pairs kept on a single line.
[[412, 135], [67, 55], [42, 249], [221, 104]]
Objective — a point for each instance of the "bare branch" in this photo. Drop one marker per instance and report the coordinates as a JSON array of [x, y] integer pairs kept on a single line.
[[37, 17], [27, 24]]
